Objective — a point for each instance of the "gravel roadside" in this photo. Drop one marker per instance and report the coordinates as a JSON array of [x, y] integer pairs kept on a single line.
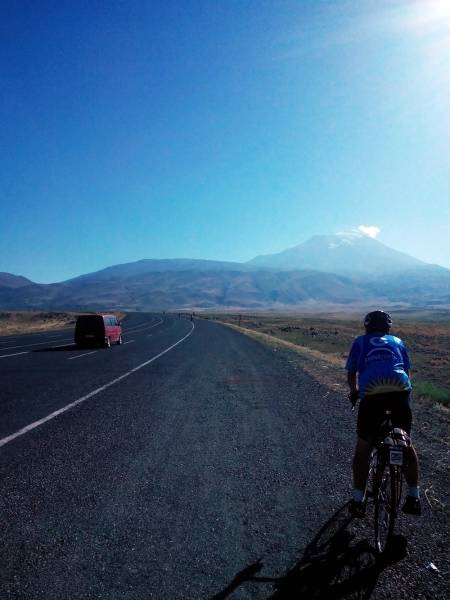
[[421, 568]]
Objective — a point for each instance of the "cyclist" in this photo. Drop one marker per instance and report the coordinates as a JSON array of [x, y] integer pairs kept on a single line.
[[378, 373]]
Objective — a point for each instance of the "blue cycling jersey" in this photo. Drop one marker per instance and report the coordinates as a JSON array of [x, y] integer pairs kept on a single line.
[[381, 362]]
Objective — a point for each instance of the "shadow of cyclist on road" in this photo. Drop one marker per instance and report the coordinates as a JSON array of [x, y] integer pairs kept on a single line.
[[333, 565]]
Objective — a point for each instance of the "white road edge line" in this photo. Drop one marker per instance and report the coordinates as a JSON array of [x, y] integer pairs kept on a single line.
[[29, 351], [15, 354], [129, 342], [58, 346], [80, 355], [64, 409]]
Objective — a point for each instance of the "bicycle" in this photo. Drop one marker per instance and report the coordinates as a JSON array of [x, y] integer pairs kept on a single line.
[[386, 467]]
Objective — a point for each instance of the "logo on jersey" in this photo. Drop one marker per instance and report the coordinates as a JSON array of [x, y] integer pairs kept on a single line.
[[379, 341], [381, 352]]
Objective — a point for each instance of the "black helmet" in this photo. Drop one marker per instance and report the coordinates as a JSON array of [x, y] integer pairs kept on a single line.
[[378, 320]]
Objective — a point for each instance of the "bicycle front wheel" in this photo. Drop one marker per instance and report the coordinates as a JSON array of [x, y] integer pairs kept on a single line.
[[385, 499]]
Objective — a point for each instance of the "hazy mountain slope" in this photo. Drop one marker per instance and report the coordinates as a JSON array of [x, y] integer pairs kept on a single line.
[[39, 296], [206, 289], [427, 284], [209, 289], [338, 269], [149, 265], [348, 253], [13, 281]]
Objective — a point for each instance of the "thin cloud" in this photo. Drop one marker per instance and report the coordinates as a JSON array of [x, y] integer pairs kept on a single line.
[[370, 230]]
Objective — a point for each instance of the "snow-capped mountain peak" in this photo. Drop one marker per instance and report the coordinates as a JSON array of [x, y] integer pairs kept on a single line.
[[351, 252]]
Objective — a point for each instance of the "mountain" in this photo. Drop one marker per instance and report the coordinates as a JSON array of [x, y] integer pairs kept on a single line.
[[341, 269], [149, 265], [349, 253], [13, 281], [426, 284], [198, 289]]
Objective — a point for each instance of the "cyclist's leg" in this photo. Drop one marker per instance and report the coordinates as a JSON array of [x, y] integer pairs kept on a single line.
[[361, 459], [402, 417], [412, 503], [369, 418], [361, 463], [412, 468]]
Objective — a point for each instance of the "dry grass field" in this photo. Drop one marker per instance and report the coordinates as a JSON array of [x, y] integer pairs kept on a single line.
[[13, 322], [327, 340], [32, 322]]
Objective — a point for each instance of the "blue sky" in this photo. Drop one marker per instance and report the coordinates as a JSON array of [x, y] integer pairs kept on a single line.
[[219, 129]]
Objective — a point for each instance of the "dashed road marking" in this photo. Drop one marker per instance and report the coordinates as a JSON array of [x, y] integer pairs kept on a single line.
[[15, 354], [64, 409], [80, 355], [61, 346], [35, 344]]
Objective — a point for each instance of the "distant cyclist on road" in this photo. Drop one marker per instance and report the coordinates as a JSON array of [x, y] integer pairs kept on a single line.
[[378, 373]]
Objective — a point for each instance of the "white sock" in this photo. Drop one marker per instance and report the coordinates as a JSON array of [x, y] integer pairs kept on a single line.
[[358, 495], [413, 491]]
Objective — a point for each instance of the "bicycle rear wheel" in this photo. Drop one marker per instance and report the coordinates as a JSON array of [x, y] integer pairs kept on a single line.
[[385, 500]]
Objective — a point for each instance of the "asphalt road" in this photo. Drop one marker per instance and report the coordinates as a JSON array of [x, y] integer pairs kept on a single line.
[[191, 462]]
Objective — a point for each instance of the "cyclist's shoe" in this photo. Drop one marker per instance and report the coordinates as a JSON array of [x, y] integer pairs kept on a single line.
[[412, 506], [357, 509]]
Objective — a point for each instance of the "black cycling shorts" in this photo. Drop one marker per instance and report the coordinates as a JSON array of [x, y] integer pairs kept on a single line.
[[372, 409]]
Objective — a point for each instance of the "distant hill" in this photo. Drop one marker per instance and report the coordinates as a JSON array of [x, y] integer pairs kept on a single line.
[[343, 269], [425, 285], [149, 265], [13, 281], [200, 289]]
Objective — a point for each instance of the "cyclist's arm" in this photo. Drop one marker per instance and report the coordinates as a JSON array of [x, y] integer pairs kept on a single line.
[[406, 363], [352, 367]]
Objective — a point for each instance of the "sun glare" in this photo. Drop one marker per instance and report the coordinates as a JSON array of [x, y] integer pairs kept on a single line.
[[429, 16], [439, 10], [427, 23]]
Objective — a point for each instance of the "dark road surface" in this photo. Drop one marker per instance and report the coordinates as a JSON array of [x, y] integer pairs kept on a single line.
[[176, 475]]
